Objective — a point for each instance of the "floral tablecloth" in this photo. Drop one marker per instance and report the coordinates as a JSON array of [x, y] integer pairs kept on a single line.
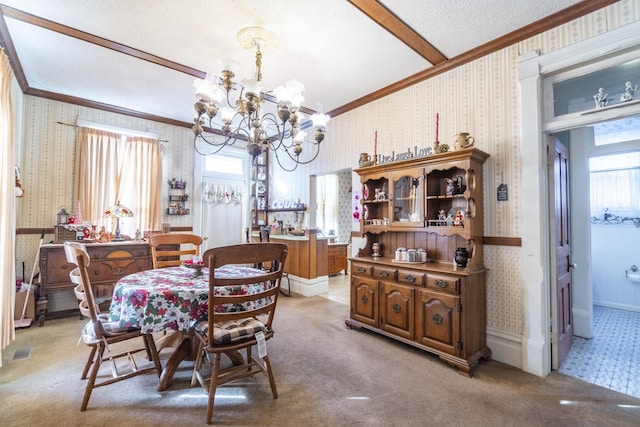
[[171, 298]]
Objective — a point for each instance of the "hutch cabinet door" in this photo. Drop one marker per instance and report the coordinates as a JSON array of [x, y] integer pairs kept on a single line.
[[407, 194], [364, 300], [375, 203], [396, 309], [438, 321]]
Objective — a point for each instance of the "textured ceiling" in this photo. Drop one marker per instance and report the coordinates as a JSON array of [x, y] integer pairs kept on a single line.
[[339, 49]]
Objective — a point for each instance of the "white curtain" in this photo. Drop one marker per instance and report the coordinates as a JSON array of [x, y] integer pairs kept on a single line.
[[327, 202], [618, 191], [7, 208]]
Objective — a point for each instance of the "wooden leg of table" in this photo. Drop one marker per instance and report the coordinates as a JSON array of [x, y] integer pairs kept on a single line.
[[169, 339], [183, 351]]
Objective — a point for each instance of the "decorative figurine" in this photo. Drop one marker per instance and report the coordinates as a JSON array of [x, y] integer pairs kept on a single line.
[[458, 221], [450, 189], [442, 217], [601, 98], [629, 92]]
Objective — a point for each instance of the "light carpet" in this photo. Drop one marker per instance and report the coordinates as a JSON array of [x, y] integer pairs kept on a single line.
[[326, 374]]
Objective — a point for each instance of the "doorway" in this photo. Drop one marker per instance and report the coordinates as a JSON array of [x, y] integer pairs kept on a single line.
[[221, 199], [605, 165], [332, 211], [542, 115]]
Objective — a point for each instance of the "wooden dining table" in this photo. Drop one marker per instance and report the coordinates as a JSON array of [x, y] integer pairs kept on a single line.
[[173, 299]]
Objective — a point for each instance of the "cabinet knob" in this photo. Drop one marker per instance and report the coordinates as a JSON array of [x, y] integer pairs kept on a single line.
[[437, 319], [364, 299], [410, 279], [361, 269], [396, 308], [442, 283], [384, 274]]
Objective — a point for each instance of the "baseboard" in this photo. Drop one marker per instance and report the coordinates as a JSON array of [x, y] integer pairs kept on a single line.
[[309, 287], [506, 347], [617, 306]]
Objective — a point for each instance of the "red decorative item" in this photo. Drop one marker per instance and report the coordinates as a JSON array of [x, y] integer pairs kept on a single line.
[[72, 220], [77, 213]]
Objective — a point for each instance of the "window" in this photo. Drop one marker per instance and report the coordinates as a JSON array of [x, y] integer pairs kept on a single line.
[[111, 167], [615, 184], [225, 165]]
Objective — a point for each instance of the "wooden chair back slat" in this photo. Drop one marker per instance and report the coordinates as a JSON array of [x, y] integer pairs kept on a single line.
[[163, 252]]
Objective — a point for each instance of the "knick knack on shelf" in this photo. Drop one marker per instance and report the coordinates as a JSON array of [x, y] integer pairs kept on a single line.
[[461, 257]]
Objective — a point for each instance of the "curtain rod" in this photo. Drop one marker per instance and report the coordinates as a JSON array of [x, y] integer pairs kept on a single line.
[[128, 132]]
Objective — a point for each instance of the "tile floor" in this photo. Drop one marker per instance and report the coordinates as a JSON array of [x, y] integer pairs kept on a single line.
[[611, 358]]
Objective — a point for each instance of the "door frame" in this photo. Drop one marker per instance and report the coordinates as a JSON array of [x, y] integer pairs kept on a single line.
[[199, 173], [535, 128]]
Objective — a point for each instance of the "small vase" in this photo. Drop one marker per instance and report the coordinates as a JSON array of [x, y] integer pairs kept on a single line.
[[461, 257]]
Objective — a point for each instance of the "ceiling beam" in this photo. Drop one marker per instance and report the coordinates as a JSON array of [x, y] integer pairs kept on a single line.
[[559, 18], [390, 22]]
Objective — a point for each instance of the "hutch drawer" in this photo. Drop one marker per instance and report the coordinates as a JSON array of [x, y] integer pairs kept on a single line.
[[411, 277], [443, 283], [361, 269], [384, 273]]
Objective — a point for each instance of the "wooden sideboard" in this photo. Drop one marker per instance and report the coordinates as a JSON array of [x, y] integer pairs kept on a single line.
[[432, 306], [337, 258], [109, 262]]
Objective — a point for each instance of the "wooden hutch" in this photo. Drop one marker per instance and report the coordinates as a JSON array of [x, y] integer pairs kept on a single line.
[[436, 305]]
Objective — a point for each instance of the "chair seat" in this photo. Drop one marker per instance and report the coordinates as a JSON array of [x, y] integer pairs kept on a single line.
[[231, 332], [89, 336]]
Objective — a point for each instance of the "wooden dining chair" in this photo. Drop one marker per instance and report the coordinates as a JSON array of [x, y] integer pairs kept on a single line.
[[264, 237], [167, 250], [99, 334], [83, 306], [225, 331]]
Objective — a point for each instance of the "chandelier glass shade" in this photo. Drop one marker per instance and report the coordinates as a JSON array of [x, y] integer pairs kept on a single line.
[[240, 115]]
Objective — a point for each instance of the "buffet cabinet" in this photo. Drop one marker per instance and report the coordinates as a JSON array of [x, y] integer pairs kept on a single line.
[[432, 306], [433, 203], [109, 262], [336, 258]]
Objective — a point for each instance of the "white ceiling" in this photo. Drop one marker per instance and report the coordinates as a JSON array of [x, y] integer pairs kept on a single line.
[[336, 50]]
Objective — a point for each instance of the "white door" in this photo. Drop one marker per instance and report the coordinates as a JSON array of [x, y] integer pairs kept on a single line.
[[221, 205], [223, 212]]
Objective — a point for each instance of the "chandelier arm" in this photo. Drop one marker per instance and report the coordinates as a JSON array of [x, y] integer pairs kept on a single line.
[[296, 159], [230, 137], [275, 121], [211, 142], [295, 164], [215, 151]]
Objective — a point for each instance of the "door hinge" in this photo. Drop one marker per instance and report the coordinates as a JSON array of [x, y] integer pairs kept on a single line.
[[459, 346], [459, 307]]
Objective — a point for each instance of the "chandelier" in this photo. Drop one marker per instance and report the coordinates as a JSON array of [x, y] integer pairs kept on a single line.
[[242, 117]]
